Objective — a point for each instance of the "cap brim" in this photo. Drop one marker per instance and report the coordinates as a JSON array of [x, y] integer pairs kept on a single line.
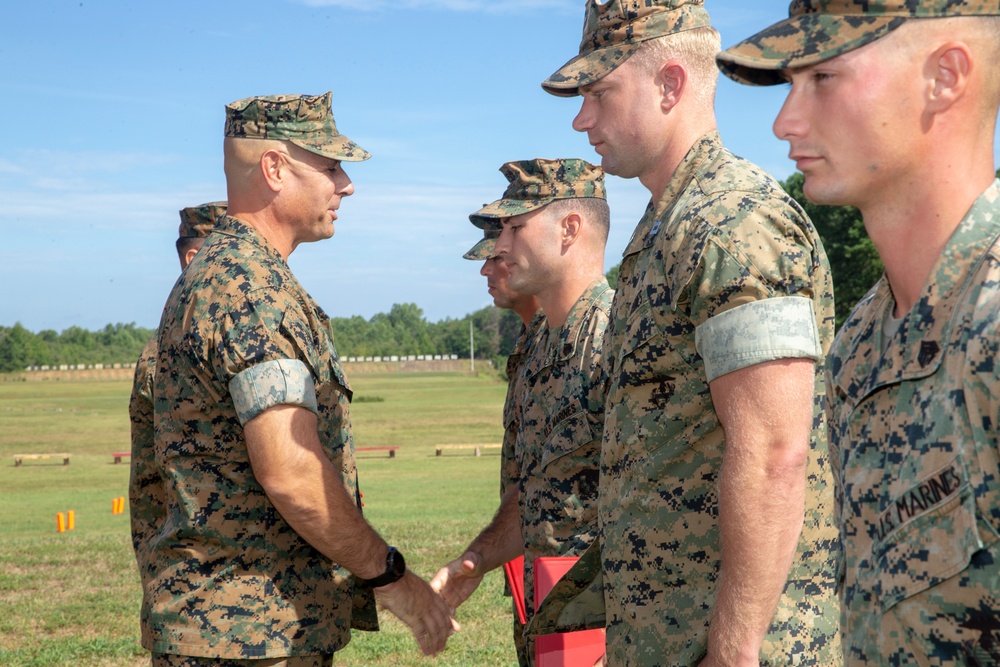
[[336, 148], [482, 250], [587, 68], [800, 41], [506, 208]]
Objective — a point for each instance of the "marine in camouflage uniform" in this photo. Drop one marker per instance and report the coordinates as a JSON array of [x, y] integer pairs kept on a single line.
[[246, 369], [559, 441], [913, 379], [556, 411], [533, 325], [724, 272], [914, 444], [146, 486]]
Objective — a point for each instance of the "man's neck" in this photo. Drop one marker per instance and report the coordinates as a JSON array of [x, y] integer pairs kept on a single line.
[[267, 227], [676, 149], [526, 311], [911, 229], [557, 301]]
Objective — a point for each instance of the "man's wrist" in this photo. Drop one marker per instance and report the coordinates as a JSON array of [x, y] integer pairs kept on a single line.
[[395, 568]]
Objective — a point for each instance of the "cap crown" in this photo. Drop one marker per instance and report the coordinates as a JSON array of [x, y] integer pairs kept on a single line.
[[304, 120], [911, 8], [198, 221], [614, 30], [818, 30], [552, 179], [532, 184], [633, 21]]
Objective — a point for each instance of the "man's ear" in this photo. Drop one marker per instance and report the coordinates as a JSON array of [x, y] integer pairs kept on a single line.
[[671, 80], [273, 168], [948, 68], [572, 227]]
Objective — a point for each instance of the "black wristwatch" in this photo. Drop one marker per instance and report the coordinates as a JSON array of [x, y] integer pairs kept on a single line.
[[395, 568]]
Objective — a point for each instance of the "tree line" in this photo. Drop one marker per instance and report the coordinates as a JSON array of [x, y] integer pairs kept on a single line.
[[405, 331], [402, 331]]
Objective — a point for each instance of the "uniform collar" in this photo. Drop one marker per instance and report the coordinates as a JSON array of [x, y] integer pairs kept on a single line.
[[563, 342], [230, 226], [705, 150], [917, 348], [530, 332]]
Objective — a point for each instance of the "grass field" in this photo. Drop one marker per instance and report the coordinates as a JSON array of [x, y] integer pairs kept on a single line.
[[73, 598]]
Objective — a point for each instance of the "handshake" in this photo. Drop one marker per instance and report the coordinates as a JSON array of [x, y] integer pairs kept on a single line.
[[428, 609]]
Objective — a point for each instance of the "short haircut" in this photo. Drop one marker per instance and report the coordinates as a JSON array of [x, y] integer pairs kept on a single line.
[[990, 32], [187, 243], [241, 156], [695, 49], [981, 33], [594, 210]]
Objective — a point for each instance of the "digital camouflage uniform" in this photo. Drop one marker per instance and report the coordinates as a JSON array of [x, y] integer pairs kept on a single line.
[[912, 405], [914, 446], [146, 492], [540, 385], [484, 250], [559, 441], [509, 470], [513, 403], [724, 272], [146, 497], [227, 576]]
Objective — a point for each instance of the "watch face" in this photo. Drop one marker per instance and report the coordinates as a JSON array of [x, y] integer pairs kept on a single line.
[[395, 562]]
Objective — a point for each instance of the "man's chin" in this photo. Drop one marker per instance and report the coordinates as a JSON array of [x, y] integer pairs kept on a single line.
[[816, 193]]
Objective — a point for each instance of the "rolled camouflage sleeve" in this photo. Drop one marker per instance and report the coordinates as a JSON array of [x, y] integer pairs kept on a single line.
[[756, 332], [277, 382]]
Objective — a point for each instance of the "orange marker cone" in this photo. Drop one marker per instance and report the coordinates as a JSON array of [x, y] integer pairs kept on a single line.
[[70, 520], [60, 522]]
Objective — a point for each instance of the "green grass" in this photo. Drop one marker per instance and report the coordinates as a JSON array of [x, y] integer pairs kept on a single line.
[[73, 598]]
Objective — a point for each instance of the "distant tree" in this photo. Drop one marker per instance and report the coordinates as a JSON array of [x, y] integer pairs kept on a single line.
[[16, 345], [118, 343], [409, 330], [452, 336]]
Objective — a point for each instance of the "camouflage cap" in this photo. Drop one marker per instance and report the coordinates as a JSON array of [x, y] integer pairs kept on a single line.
[[485, 248], [817, 30], [304, 120], [198, 221], [614, 30], [533, 184]]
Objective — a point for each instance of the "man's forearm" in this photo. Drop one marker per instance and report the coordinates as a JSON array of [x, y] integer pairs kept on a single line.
[[308, 492], [760, 518], [501, 540], [766, 412]]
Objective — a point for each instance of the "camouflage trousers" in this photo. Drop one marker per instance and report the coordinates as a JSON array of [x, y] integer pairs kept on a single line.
[[165, 660]]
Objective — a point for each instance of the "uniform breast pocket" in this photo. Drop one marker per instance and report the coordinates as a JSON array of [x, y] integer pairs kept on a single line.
[[933, 536], [568, 436], [641, 347], [571, 463]]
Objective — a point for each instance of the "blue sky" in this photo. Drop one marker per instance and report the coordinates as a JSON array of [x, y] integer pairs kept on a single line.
[[114, 117]]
